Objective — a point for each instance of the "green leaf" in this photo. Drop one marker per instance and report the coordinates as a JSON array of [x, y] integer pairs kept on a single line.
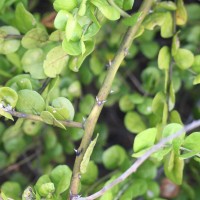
[[175, 117], [73, 30], [86, 104], [30, 102], [125, 103], [135, 189], [149, 49], [32, 62], [131, 21], [71, 47], [68, 5], [113, 157], [11, 189], [91, 174], [158, 104], [148, 170], [136, 98], [55, 62], [184, 58], [76, 62], [34, 38], [61, 19], [82, 8], [153, 190], [8, 46], [181, 13], [145, 107], [192, 142], [171, 129], [164, 58], [46, 189], [196, 80], [167, 26], [144, 139], [151, 78], [159, 155], [61, 109], [23, 81], [134, 123], [87, 155], [24, 20], [196, 64], [153, 20], [31, 127], [128, 4], [61, 176], [188, 154], [168, 5], [8, 96], [108, 11], [57, 36], [175, 44], [173, 167], [41, 181]]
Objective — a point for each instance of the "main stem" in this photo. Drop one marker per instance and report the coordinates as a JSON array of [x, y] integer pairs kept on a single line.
[[103, 94]]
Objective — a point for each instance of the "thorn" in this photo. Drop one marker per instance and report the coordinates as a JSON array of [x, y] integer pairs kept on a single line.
[[84, 119], [75, 197], [112, 91], [100, 102], [125, 52], [83, 122], [109, 64], [77, 152]]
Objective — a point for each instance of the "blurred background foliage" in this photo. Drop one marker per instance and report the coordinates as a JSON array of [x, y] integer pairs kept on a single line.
[[30, 149]]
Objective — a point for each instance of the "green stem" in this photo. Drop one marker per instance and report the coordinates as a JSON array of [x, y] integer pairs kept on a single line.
[[103, 94], [122, 13], [38, 118]]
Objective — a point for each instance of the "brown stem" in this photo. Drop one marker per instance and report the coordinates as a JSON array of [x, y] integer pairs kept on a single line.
[[102, 96], [38, 118]]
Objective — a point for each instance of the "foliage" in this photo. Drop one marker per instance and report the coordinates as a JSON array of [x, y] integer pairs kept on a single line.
[[49, 78]]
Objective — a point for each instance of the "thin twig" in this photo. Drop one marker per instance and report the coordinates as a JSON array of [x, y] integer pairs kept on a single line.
[[17, 165], [38, 118], [141, 160], [102, 96]]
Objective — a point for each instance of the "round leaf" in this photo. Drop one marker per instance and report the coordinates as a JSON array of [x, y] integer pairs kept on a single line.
[[68, 5], [34, 38], [62, 109], [184, 58], [164, 58], [30, 102], [61, 176], [91, 174], [145, 139], [113, 157], [24, 20], [8, 46], [32, 62], [8, 96], [134, 122], [55, 62]]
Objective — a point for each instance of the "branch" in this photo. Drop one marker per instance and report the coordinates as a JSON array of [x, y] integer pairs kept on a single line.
[[38, 118], [140, 160], [102, 96]]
